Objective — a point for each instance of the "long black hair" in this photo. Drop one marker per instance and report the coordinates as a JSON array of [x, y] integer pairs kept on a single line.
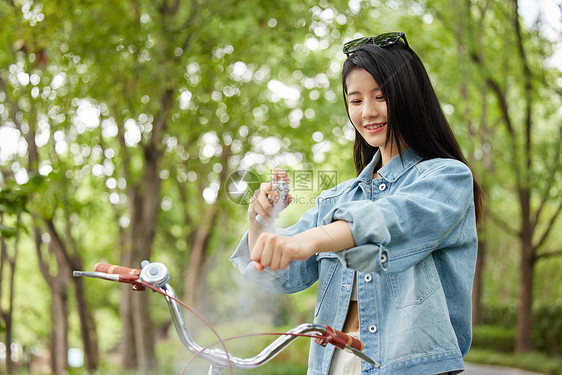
[[414, 115]]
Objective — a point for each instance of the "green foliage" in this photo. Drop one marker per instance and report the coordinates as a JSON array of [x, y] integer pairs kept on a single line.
[[7, 231], [547, 327], [497, 331], [14, 200], [495, 338], [534, 361], [504, 316]]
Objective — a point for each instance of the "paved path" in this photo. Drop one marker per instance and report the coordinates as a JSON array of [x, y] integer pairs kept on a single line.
[[475, 369]]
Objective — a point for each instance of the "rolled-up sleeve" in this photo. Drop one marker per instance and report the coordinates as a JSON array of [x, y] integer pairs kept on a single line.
[[397, 231]]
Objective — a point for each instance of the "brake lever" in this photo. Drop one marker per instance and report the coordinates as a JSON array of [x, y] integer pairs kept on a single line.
[[96, 275], [361, 355]]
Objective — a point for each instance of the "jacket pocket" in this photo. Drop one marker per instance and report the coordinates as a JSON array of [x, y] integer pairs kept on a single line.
[[414, 285], [327, 264]]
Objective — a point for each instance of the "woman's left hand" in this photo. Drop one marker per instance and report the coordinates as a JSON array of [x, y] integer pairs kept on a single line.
[[276, 251]]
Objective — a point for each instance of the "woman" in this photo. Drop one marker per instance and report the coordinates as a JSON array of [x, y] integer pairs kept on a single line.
[[394, 250]]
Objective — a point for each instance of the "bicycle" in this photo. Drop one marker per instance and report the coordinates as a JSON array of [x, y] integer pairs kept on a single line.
[[155, 276]]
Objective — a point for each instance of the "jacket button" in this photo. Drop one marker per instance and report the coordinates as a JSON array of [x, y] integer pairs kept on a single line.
[[373, 328], [368, 278], [382, 187]]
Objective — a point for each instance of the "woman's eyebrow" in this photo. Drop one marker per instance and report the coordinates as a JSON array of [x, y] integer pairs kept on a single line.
[[357, 92]]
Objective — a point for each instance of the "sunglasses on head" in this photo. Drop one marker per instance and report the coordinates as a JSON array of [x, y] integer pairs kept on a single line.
[[382, 40]]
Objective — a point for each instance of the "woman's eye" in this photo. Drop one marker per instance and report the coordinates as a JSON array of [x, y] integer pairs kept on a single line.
[[379, 98], [355, 102]]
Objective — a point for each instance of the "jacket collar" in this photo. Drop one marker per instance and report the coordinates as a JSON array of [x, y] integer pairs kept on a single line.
[[392, 170]]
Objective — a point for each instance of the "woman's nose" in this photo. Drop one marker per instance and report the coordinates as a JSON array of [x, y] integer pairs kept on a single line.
[[369, 109]]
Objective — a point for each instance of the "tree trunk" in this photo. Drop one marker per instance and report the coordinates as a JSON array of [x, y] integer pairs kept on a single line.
[[143, 237], [144, 201], [59, 294], [127, 347], [58, 282], [478, 283], [8, 314], [199, 248], [524, 337], [128, 353], [9, 361], [59, 299], [62, 251], [144, 333], [8, 318], [58, 285], [87, 325], [59, 335], [198, 255], [137, 343]]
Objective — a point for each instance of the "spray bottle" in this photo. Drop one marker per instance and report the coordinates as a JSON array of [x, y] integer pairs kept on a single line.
[[283, 188]]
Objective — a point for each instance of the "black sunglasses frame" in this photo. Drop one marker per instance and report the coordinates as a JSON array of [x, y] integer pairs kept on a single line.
[[382, 40]]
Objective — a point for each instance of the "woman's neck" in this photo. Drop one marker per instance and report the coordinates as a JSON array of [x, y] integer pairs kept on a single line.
[[387, 154]]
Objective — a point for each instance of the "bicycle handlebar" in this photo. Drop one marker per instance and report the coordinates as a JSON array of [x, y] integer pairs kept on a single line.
[[156, 275], [115, 270], [341, 340]]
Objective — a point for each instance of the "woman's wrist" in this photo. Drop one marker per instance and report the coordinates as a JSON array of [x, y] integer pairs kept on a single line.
[[252, 213]]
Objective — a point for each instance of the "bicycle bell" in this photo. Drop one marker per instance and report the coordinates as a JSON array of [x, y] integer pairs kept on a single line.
[[155, 273]]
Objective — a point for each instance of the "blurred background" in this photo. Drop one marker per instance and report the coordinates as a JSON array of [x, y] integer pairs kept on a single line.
[[136, 129]]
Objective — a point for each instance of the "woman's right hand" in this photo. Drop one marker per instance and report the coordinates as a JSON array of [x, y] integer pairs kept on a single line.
[[265, 198]]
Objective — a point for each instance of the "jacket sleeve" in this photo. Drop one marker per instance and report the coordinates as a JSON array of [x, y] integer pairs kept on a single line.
[[298, 276], [396, 232]]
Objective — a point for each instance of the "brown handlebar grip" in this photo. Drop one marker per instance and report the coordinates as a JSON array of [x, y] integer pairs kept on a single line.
[[341, 339], [115, 270]]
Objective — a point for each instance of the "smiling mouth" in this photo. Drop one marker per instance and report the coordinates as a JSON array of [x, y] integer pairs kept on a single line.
[[374, 126]]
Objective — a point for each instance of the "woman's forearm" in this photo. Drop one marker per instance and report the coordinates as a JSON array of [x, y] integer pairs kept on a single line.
[[254, 230], [336, 236]]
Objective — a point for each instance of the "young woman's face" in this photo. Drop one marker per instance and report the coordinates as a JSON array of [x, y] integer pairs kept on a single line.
[[367, 107]]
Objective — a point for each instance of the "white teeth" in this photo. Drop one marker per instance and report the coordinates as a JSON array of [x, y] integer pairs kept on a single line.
[[370, 127]]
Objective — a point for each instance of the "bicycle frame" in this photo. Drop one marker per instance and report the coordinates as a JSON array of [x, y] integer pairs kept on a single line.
[[156, 276]]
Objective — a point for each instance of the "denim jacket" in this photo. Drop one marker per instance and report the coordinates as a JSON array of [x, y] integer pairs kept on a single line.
[[414, 260]]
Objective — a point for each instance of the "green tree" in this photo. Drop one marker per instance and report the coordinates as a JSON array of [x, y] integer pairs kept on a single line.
[[173, 73], [13, 201], [515, 131], [32, 88], [140, 115]]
